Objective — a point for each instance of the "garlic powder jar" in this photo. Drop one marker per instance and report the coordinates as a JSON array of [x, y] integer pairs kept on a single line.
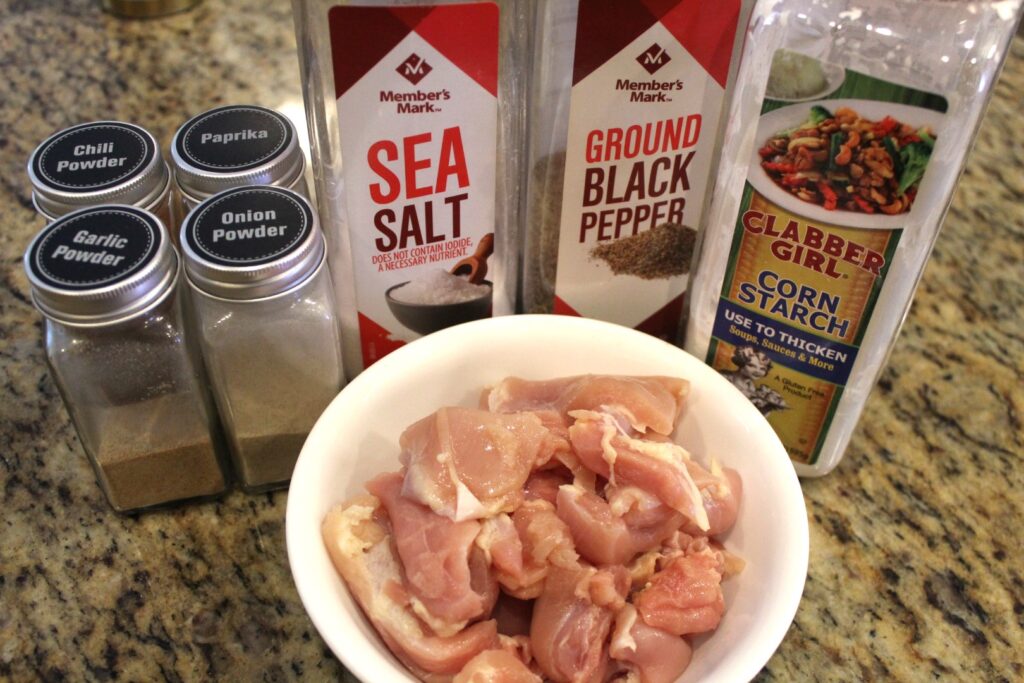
[[120, 352]]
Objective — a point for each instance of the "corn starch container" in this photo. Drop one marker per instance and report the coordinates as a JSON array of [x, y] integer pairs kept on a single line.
[[849, 131]]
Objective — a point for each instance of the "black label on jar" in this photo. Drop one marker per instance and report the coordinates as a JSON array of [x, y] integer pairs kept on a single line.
[[248, 226], [92, 156], [95, 248], [233, 138]]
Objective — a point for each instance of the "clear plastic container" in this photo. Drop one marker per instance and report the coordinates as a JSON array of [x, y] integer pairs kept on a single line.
[[264, 305], [623, 133], [849, 130], [415, 117], [106, 278]]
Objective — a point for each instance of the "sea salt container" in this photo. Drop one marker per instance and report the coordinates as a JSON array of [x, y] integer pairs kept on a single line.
[[415, 138], [234, 146], [264, 303], [121, 354], [104, 162]]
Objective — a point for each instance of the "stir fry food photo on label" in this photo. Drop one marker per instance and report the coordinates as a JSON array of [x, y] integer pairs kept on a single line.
[[554, 533], [844, 161]]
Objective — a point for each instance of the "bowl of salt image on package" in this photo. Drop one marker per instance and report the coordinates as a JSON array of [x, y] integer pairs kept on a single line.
[[438, 300]]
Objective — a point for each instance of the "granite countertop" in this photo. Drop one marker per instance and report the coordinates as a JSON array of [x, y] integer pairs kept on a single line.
[[915, 569]]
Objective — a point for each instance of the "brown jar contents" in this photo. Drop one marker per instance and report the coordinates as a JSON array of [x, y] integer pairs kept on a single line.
[[157, 451], [657, 254], [269, 458]]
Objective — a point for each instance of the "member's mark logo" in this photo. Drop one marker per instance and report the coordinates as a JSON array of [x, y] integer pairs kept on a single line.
[[414, 68], [653, 58]]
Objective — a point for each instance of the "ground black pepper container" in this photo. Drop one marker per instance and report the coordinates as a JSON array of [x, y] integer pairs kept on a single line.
[[235, 146], [104, 162], [264, 302], [106, 278]]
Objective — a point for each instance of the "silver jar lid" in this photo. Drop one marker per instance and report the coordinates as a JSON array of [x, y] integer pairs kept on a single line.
[[251, 242], [104, 162], [235, 146], [100, 265]]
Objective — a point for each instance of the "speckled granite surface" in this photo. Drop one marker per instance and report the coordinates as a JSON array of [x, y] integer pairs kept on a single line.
[[916, 538]]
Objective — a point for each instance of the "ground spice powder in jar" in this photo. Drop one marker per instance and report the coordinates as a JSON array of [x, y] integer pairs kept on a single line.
[[141, 459], [545, 215], [264, 302], [106, 278], [664, 252]]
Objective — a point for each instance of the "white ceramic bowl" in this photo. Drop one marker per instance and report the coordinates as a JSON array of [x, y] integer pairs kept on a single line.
[[357, 437]]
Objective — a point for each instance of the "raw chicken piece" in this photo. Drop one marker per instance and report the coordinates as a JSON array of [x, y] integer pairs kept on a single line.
[[449, 586], [653, 655], [546, 542], [465, 463], [543, 484], [496, 666], [649, 520], [644, 402], [361, 550], [520, 647], [686, 596], [659, 467], [721, 491], [599, 536], [572, 619], [643, 567], [499, 540], [556, 445]]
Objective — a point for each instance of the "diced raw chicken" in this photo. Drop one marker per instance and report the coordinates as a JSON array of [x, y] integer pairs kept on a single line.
[[721, 491], [470, 464], [686, 596], [499, 540], [649, 520], [543, 484], [652, 654], [571, 622], [556, 445], [546, 542], [361, 550], [600, 537], [448, 587], [657, 467], [645, 402], [496, 666], [520, 647], [643, 567]]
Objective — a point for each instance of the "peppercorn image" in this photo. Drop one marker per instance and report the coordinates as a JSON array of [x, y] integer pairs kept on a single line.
[[657, 254]]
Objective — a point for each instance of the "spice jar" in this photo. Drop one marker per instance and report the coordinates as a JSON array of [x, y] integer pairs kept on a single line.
[[105, 162], [235, 146], [262, 293], [106, 278]]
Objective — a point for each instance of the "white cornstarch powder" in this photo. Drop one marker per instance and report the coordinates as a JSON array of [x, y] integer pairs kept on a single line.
[[439, 287]]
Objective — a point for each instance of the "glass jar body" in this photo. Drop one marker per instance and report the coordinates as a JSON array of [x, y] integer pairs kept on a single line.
[[136, 393], [274, 364], [167, 206]]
